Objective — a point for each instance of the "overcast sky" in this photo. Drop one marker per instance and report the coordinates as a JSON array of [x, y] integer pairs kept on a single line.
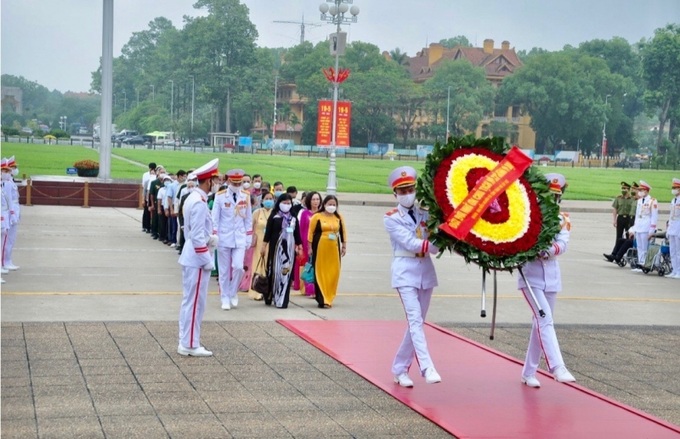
[[58, 42]]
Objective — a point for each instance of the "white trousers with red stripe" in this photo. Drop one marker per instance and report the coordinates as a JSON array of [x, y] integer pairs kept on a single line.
[[195, 281], [8, 240], [416, 303], [543, 339], [230, 264]]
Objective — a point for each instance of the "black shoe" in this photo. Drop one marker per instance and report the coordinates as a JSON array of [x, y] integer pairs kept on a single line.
[[609, 258], [154, 236]]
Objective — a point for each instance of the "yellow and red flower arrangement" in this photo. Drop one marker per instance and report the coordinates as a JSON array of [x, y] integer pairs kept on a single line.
[[487, 203]]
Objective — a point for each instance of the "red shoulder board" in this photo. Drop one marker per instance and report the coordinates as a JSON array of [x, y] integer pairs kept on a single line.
[[392, 212]]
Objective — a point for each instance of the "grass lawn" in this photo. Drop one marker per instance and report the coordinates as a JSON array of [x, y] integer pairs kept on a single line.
[[309, 173]]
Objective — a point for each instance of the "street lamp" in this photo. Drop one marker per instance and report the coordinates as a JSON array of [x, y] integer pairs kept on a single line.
[[124, 101], [335, 14], [276, 91], [448, 105], [604, 132], [172, 102], [192, 105], [153, 93]]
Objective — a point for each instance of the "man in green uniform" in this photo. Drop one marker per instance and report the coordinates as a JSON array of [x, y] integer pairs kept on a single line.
[[623, 212]]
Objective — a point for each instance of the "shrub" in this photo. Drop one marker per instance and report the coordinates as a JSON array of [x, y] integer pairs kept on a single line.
[[86, 164]]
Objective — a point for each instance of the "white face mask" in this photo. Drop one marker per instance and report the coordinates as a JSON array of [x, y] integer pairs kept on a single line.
[[246, 185], [641, 194], [215, 188], [285, 208], [407, 200], [6, 176], [331, 209], [257, 185], [15, 171], [675, 191], [235, 189]]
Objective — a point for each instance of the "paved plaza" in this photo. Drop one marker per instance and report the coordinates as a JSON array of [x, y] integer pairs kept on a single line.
[[89, 334]]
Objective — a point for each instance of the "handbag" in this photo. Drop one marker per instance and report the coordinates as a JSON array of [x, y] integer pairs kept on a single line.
[[307, 274], [260, 281]]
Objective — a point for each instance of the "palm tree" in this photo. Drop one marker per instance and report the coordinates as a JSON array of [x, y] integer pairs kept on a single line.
[[399, 57]]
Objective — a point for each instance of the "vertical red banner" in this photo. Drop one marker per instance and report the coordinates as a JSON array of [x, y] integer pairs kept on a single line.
[[343, 123], [324, 126]]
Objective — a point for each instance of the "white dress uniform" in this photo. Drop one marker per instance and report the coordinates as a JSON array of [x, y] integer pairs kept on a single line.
[[11, 191], [646, 216], [233, 223], [414, 277], [544, 276], [673, 231], [197, 262]]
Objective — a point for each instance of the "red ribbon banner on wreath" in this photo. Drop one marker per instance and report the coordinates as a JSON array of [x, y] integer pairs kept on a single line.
[[487, 189]]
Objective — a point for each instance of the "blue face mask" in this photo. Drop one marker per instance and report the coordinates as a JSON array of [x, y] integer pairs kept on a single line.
[[268, 204], [277, 194], [167, 183]]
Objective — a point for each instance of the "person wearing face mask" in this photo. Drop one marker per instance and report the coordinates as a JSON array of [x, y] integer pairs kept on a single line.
[[11, 191], [256, 191], [197, 262], [183, 194], [646, 215], [233, 221], [622, 219], [544, 276], [244, 286], [327, 245], [413, 275], [277, 189], [260, 218], [673, 230], [311, 202], [282, 242], [7, 213], [154, 208], [162, 203]]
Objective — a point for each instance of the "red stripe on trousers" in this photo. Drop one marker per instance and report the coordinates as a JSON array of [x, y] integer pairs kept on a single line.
[[4, 243], [538, 328], [193, 316]]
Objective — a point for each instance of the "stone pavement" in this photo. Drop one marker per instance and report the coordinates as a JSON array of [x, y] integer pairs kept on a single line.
[[89, 335]]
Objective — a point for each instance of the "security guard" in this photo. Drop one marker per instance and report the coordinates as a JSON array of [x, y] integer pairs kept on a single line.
[[233, 223], [11, 190], [544, 277], [413, 274], [197, 262], [622, 216], [646, 216]]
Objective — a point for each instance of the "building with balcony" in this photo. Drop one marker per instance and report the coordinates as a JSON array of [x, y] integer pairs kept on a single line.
[[497, 63]]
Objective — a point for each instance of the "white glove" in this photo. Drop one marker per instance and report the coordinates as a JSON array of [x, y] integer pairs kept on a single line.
[[213, 240], [209, 266], [432, 249]]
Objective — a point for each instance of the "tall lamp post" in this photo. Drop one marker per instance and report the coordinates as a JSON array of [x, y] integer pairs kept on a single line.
[[276, 91], [124, 101], [193, 89], [153, 93], [604, 132], [335, 14], [448, 105]]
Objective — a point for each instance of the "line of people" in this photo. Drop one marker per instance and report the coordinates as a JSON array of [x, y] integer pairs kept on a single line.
[[251, 227], [635, 217], [11, 213]]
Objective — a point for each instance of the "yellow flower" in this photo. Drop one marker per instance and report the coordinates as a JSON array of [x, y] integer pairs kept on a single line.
[[518, 200]]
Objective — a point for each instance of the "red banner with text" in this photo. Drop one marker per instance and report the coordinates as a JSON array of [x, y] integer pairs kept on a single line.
[[324, 128]]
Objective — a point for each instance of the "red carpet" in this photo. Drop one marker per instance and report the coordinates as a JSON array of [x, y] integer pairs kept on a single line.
[[480, 395]]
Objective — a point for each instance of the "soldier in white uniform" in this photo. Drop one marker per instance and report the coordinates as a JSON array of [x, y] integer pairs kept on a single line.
[[233, 224], [673, 230], [4, 220], [9, 187], [544, 277], [413, 275], [197, 262], [646, 215]]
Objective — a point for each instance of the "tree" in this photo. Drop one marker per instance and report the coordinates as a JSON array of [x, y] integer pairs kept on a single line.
[[460, 40], [661, 64], [565, 94], [471, 95], [399, 57]]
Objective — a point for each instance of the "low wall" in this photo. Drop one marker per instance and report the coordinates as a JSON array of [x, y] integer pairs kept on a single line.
[[80, 192]]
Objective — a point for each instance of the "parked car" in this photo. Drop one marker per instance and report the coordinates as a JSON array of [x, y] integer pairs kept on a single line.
[[135, 140]]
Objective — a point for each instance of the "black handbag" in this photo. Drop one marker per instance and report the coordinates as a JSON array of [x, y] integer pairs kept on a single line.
[[260, 281]]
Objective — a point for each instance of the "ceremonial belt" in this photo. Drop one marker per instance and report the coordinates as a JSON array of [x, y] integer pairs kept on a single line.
[[408, 254]]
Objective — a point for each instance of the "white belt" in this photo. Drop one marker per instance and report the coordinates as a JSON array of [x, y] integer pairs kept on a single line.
[[408, 254]]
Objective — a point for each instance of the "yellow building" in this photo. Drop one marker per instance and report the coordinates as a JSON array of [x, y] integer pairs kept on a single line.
[[497, 63]]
